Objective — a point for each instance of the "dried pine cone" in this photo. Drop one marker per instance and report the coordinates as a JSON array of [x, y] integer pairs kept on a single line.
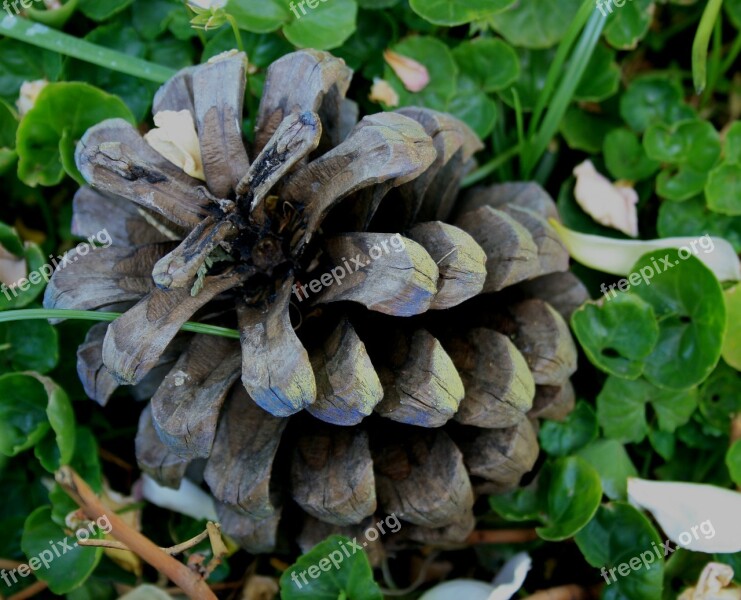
[[456, 385]]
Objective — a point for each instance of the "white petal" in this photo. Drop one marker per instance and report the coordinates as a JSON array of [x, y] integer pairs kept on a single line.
[[146, 592], [618, 256], [678, 507], [188, 499], [30, 91], [176, 139], [512, 577], [611, 205], [207, 4], [459, 589]]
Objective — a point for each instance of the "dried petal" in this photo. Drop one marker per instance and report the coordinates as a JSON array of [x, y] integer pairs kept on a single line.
[[381, 91], [30, 91], [413, 75], [612, 205], [176, 139]]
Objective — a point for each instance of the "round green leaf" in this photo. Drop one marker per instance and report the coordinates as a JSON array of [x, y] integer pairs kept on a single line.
[[618, 533], [576, 431], [490, 62], [72, 567], [473, 107], [438, 60], [29, 345], [574, 494], [324, 27], [261, 16], [584, 130], [23, 420], [457, 12], [687, 218], [680, 183], [601, 78], [625, 156], [653, 99], [731, 350], [613, 464], [535, 23], [733, 461], [688, 301], [534, 66], [693, 143], [48, 134], [617, 334], [351, 578], [723, 189], [101, 10], [522, 504], [629, 24]]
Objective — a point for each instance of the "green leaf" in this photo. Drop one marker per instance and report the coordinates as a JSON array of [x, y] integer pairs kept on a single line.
[[688, 301], [723, 189], [733, 461], [535, 23], [262, 49], [629, 24], [720, 397], [576, 431], [49, 132], [585, 130], [62, 420], [689, 217], [101, 10], [653, 99], [152, 17], [23, 420], [621, 408], [694, 143], [663, 442], [534, 66], [457, 12], [625, 156], [617, 534], [473, 107], [324, 27], [30, 345], [574, 494], [72, 567], [22, 62], [331, 574], [522, 504], [56, 17], [438, 60], [491, 63], [613, 464], [8, 128], [732, 143], [601, 78], [731, 349], [260, 16], [25, 291], [733, 10], [617, 334]]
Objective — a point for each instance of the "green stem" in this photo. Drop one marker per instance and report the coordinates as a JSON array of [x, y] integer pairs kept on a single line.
[[715, 62], [732, 56], [565, 92], [235, 29], [42, 36], [701, 44], [491, 166], [92, 315]]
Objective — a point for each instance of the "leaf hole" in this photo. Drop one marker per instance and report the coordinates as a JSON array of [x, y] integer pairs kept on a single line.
[[610, 353], [685, 319]]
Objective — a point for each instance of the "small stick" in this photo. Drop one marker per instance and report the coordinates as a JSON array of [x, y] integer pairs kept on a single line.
[[564, 592], [191, 584], [9, 565], [172, 550], [502, 536], [30, 591]]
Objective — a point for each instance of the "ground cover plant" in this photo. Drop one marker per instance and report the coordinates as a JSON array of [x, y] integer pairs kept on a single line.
[[370, 299]]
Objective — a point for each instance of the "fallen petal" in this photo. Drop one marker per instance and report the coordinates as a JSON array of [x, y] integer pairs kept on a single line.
[[381, 91], [188, 499], [176, 139], [413, 75]]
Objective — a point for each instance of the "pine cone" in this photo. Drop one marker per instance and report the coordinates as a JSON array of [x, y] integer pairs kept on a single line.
[[405, 330]]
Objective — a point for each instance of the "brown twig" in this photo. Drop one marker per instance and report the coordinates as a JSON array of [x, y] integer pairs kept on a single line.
[[172, 550], [190, 582], [9, 565], [564, 592], [501, 536], [30, 591]]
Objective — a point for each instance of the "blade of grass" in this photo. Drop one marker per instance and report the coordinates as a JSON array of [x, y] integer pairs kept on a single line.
[[701, 44], [42, 36], [565, 92], [556, 69], [92, 315], [491, 166]]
